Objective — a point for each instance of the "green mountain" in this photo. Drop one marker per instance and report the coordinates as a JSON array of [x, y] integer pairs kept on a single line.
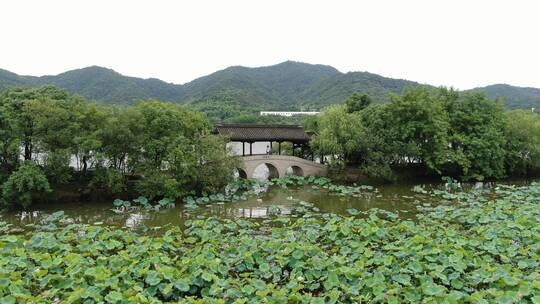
[[514, 97], [106, 85], [288, 85], [278, 85], [341, 86], [9, 79]]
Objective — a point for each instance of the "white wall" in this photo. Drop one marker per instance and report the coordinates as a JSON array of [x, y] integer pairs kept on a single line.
[[258, 147]]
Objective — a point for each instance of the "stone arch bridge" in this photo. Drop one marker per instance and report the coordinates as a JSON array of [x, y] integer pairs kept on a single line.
[[279, 164]]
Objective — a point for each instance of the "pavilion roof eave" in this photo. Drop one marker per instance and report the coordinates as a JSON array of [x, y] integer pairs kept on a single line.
[[268, 139], [257, 133]]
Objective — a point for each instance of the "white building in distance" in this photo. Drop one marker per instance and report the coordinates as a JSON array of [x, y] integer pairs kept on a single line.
[[286, 113]]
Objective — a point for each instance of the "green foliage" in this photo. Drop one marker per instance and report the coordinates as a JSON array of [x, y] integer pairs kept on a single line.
[[157, 184], [340, 135], [160, 126], [242, 189], [339, 87], [483, 250], [214, 163], [514, 97], [381, 146], [26, 185], [167, 148], [224, 107], [121, 206], [104, 85], [420, 126], [477, 136], [34, 115], [111, 180], [522, 133], [9, 144], [357, 102], [56, 166], [438, 131], [177, 153], [321, 182]]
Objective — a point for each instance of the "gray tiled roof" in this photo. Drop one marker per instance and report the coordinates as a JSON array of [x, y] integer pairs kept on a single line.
[[252, 132]]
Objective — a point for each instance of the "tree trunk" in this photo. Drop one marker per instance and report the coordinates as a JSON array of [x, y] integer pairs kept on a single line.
[[85, 165], [27, 151]]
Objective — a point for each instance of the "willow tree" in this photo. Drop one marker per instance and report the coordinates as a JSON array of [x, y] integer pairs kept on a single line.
[[340, 135]]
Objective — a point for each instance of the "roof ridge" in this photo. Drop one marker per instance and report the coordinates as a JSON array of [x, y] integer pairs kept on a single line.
[[258, 132], [257, 125]]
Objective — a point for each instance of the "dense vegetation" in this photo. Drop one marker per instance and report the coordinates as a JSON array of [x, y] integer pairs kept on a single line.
[[475, 247], [50, 140], [442, 132], [225, 109], [285, 86], [515, 97]]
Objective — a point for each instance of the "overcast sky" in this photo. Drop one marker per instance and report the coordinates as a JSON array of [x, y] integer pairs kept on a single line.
[[454, 43]]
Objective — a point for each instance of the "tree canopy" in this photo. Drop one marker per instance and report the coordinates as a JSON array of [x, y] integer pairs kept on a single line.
[[466, 135], [164, 149]]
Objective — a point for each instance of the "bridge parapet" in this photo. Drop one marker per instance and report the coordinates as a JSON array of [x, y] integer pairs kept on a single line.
[[278, 165]]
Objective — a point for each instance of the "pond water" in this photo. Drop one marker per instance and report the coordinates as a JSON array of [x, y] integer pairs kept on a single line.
[[400, 199]]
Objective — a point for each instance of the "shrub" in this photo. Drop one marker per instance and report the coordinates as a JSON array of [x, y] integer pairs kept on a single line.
[[111, 180], [24, 186]]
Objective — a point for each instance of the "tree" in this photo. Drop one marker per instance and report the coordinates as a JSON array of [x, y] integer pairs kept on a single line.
[[381, 148], [25, 106], [357, 102], [87, 123], [340, 135], [26, 185], [244, 118], [476, 136], [161, 124], [214, 166], [193, 166], [9, 144], [119, 137], [421, 126], [522, 132], [310, 123]]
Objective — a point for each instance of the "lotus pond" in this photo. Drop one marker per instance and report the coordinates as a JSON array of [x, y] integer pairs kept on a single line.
[[426, 244], [282, 197]]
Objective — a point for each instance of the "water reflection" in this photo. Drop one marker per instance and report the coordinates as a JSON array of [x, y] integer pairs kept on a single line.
[[134, 220], [400, 199]]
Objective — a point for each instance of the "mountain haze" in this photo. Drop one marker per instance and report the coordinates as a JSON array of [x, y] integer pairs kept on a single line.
[[288, 85]]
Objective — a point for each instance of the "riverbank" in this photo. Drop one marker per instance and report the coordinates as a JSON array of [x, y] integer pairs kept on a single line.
[[411, 174]]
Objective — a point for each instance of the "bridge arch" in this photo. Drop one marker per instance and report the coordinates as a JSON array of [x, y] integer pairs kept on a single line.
[[278, 165], [273, 171], [241, 173], [294, 170]]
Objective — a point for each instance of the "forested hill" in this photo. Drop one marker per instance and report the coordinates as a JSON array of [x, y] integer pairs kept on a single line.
[[515, 97], [101, 84], [288, 85]]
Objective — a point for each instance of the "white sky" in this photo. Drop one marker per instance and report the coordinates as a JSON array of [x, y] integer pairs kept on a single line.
[[454, 43]]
